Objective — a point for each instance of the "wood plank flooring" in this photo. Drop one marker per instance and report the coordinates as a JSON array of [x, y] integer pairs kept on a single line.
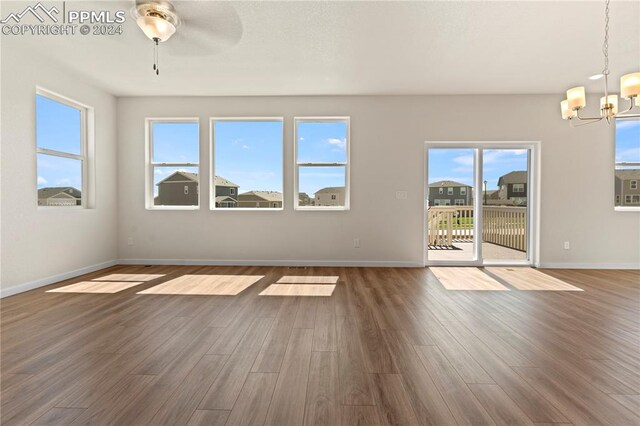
[[384, 346]]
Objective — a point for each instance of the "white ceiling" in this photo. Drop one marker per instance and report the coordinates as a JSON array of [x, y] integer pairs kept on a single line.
[[318, 48]]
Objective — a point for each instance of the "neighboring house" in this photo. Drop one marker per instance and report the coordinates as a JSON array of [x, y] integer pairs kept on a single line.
[[330, 196], [512, 188], [304, 199], [59, 196], [627, 187], [178, 189], [181, 189], [226, 193], [450, 193], [260, 199]]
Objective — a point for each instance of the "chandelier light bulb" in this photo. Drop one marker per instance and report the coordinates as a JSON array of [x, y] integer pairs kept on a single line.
[[566, 112], [576, 98], [630, 85], [613, 102]]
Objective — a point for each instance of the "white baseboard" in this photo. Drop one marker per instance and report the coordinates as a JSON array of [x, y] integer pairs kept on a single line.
[[20, 288], [329, 263], [553, 265]]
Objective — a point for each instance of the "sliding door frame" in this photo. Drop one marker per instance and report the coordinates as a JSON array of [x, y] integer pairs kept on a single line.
[[533, 196]]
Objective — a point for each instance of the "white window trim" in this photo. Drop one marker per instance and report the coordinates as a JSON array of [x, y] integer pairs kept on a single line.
[[622, 207], [87, 150], [449, 191], [150, 164], [633, 184], [212, 171], [346, 165], [463, 190]]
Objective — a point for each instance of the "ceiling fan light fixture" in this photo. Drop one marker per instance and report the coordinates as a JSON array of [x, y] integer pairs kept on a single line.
[[156, 27]]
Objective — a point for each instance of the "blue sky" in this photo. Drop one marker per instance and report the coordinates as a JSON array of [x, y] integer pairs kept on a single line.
[[628, 141], [321, 143]]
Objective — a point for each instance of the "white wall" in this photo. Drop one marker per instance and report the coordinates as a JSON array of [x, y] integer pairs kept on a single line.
[[40, 245], [387, 142]]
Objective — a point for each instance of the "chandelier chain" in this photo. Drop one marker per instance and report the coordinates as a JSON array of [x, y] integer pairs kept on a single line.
[[605, 46]]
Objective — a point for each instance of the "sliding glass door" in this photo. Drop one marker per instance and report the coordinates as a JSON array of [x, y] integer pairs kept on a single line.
[[478, 203]]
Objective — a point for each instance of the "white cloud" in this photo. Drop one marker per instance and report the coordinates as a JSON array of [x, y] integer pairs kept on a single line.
[[64, 181], [42, 181], [245, 147], [628, 155], [340, 143], [301, 138], [158, 171], [627, 124]]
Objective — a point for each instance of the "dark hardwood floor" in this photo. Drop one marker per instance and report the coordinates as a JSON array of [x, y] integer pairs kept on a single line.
[[390, 346]]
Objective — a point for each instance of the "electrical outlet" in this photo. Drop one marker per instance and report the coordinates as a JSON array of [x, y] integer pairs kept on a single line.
[[356, 243], [130, 241], [567, 246], [401, 195]]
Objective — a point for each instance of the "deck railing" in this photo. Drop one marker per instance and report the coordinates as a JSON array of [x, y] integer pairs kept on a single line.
[[502, 225]]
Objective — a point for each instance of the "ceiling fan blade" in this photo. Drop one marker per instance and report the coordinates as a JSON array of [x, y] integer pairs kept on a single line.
[[206, 28]]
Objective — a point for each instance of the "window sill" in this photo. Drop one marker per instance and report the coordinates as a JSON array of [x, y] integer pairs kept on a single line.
[[247, 209], [169, 208], [627, 209], [322, 209]]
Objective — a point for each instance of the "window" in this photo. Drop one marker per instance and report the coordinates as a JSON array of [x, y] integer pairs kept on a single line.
[[518, 187], [632, 199], [627, 161], [322, 162], [173, 163], [62, 151], [440, 191], [449, 191], [459, 202], [463, 190], [247, 163], [441, 202]]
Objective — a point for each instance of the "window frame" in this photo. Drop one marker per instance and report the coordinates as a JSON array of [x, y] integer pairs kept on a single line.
[[86, 156], [346, 165], [463, 190], [633, 184], [212, 171], [151, 165], [449, 190], [623, 164]]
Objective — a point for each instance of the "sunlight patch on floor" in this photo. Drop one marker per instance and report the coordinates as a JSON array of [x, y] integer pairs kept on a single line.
[[317, 279], [529, 279], [299, 290], [129, 277], [466, 278], [205, 285], [107, 287]]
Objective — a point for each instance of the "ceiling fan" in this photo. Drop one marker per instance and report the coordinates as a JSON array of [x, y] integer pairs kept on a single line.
[[196, 28]]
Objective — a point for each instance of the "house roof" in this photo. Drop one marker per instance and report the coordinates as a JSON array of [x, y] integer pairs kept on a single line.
[[513, 177], [224, 198], [443, 183], [303, 196], [330, 189], [626, 174], [492, 194], [68, 191], [218, 181], [265, 195]]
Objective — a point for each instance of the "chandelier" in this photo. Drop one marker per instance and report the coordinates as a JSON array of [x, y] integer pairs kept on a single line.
[[629, 90]]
